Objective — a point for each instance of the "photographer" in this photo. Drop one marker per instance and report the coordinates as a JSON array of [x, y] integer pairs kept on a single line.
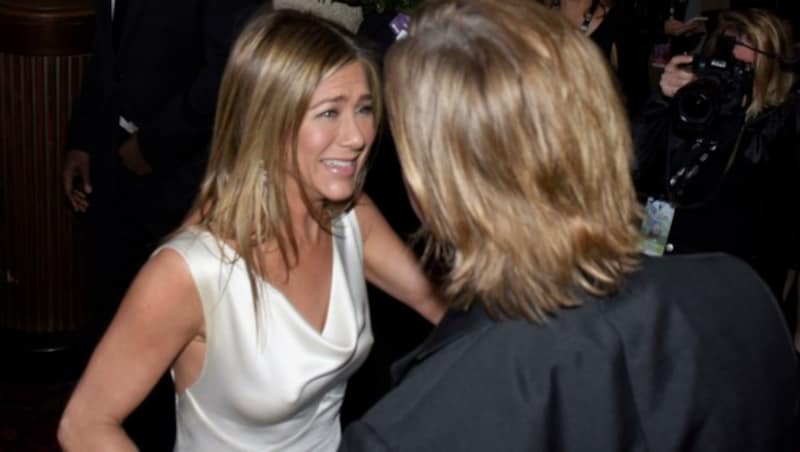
[[718, 150]]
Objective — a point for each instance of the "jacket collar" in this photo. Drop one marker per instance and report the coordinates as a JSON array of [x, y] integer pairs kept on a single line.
[[454, 326]]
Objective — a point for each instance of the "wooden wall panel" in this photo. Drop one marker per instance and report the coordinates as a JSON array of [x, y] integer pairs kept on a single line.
[[41, 277]]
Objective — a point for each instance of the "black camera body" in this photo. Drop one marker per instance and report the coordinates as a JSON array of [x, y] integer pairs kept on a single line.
[[723, 89]]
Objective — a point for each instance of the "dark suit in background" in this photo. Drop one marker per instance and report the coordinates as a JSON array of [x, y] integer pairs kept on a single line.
[[158, 65], [690, 355]]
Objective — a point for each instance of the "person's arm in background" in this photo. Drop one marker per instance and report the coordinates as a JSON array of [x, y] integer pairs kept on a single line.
[[162, 142], [674, 27], [666, 18], [392, 267], [650, 127], [651, 16], [82, 136], [785, 174]]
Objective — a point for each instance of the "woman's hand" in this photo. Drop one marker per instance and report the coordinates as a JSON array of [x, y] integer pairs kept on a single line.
[[674, 27], [675, 76]]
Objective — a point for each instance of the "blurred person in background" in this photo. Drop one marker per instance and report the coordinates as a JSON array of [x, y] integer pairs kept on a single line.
[[137, 145], [719, 145]]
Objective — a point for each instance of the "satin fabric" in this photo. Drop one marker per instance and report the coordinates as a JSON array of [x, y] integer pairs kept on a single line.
[[276, 384]]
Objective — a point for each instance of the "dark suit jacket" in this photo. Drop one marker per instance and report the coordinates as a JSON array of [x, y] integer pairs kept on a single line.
[[163, 76], [690, 355]]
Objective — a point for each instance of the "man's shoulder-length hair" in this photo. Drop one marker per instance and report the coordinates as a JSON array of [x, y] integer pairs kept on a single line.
[[516, 149]]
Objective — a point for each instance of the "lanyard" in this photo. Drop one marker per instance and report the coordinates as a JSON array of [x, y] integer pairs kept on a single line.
[[682, 176]]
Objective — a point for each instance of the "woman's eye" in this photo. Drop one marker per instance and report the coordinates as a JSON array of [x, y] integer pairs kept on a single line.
[[329, 114], [365, 110]]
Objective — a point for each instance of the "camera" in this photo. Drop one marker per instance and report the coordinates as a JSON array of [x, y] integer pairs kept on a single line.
[[723, 89]]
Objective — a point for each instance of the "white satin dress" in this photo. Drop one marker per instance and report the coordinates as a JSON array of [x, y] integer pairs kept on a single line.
[[279, 388]]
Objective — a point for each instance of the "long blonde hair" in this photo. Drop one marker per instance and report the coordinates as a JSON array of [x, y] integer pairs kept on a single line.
[[275, 66], [516, 149], [770, 36]]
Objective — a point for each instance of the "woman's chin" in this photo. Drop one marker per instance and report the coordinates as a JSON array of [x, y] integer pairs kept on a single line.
[[338, 193]]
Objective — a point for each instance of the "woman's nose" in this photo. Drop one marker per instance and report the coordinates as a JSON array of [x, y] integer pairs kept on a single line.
[[355, 132]]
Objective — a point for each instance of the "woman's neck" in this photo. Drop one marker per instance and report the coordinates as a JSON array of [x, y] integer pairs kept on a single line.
[[306, 227]]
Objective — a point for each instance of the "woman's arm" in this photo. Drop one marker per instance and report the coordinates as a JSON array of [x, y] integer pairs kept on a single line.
[[159, 315], [391, 266], [651, 128]]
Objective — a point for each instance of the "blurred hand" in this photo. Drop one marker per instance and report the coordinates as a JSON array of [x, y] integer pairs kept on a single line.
[[76, 166], [132, 157], [674, 76], [674, 27]]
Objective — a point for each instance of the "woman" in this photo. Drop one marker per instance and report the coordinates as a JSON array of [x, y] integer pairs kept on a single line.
[[561, 337], [258, 304], [738, 197]]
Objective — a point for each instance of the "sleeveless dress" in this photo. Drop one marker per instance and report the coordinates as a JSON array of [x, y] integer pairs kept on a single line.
[[278, 385]]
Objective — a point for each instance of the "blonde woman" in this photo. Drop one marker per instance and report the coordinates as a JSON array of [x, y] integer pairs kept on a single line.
[[517, 153], [258, 305], [737, 201]]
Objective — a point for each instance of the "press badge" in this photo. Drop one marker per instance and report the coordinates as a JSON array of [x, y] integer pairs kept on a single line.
[[655, 227]]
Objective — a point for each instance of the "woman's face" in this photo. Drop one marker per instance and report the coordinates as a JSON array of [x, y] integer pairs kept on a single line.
[[335, 135], [744, 53]]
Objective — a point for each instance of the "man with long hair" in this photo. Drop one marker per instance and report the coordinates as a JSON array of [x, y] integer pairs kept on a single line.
[[561, 337]]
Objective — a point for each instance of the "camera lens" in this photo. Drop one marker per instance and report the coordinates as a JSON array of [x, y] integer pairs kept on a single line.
[[697, 104], [696, 108]]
